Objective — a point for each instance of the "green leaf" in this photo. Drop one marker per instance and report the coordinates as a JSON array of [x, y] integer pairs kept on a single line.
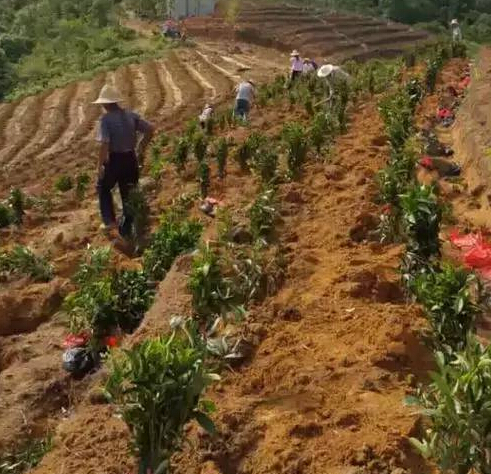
[[205, 422]]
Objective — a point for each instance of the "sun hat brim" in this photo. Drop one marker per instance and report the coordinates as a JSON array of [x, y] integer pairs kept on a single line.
[[102, 100], [324, 71]]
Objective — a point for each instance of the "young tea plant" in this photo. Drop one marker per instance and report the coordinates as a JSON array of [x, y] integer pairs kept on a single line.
[[17, 202], [173, 237], [63, 184], [295, 139], [265, 164], [6, 217], [22, 261], [81, 185], [180, 154], [221, 156], [262, 214], [446, 295], [200, 146], [458, 410], [203, 172], [139, 210], [322, 131], [157, 386], [397, 113]]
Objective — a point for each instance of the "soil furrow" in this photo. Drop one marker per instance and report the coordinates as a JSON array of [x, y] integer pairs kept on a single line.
[[6, 113], [214, 60], [54, 122], [124, 83], [22, 127], [173, 93], [155, 92], [140, 89], [191, 67]]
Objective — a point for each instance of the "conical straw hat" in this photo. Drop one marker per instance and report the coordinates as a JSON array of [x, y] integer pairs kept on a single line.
[[108, 95], [324, 71]]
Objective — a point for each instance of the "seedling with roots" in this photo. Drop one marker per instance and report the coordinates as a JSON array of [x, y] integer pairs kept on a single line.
[[157, 386], [221, 156]]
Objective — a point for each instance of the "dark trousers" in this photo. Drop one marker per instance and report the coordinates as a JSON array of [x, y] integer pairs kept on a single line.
[[242, 108], [121, 169]]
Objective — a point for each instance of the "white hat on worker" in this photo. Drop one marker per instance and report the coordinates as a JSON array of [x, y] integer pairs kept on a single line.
[[295, 53], [325, 70], [108, 95], [454, 22]]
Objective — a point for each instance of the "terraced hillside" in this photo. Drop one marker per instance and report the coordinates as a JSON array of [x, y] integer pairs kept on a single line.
[[316, 33], [52, 133]]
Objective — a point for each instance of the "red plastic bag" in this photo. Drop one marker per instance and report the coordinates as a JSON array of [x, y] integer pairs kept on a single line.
[[76, 340], [478, 256], [465, 242], [444, 113], [464, 83]]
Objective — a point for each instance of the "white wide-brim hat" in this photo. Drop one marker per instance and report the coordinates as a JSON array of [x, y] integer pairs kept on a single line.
[[108, 95], [454, 22], [325, 70], [295, 53]]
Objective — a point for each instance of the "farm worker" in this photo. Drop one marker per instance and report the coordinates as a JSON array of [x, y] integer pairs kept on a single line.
[[334, 75], [243, 100], [296, 65], [456, 31], [206, 115], [119, 157], [308, 66]]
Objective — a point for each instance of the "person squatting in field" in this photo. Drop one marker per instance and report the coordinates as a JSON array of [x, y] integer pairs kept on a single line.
[[119, 158], [335, 78], [243, 100]]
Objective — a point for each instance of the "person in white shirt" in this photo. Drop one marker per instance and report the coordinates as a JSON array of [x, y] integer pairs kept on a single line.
[[206, 115], [334, 75], [308, 66], [296, 65], [243, 100], [456, 31]]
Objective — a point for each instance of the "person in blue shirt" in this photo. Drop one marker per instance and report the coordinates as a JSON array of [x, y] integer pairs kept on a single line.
[[120, 155]]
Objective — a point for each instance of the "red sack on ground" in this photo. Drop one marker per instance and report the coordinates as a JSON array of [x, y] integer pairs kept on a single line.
[[464, 83], [444, 113], [76, 340], [465, 242], [478, 256]]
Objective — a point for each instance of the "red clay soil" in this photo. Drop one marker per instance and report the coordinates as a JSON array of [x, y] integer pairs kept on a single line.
[[323, 390]]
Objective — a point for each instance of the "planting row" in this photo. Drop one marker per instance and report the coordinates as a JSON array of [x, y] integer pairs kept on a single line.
[[456, 402]]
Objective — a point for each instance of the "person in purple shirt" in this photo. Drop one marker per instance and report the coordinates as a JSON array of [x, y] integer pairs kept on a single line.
[[119, 157]]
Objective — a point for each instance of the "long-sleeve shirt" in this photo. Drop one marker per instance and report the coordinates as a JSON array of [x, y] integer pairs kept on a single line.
[[297, 64]]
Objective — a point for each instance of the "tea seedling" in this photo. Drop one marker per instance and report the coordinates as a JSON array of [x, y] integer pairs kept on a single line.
[[5, 216], [63, 184], [139, 211], [221, 155], [265, 164], [22, 261], [180, 154], [172, 238], [96, 263], [157, 387], [294, 137], [16, 202], [204, 178], [82, 183], [200, 147], [262, 214]]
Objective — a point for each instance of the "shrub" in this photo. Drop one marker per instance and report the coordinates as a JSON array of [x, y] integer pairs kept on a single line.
[[263, 214], [63, 184], [204, 178], [457, 406], [249, 148], [172, 238], [22, 261], [446, 296], [394, 179], [221, 156], [295, 139], [157, 386], [96, 263], [16, 202], [81, 185], [322, 130], [415, 91], [432, 69]]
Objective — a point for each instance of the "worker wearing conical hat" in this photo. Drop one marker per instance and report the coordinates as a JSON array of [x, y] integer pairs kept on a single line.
[[296, 65], [333, 75], [119, 157]]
